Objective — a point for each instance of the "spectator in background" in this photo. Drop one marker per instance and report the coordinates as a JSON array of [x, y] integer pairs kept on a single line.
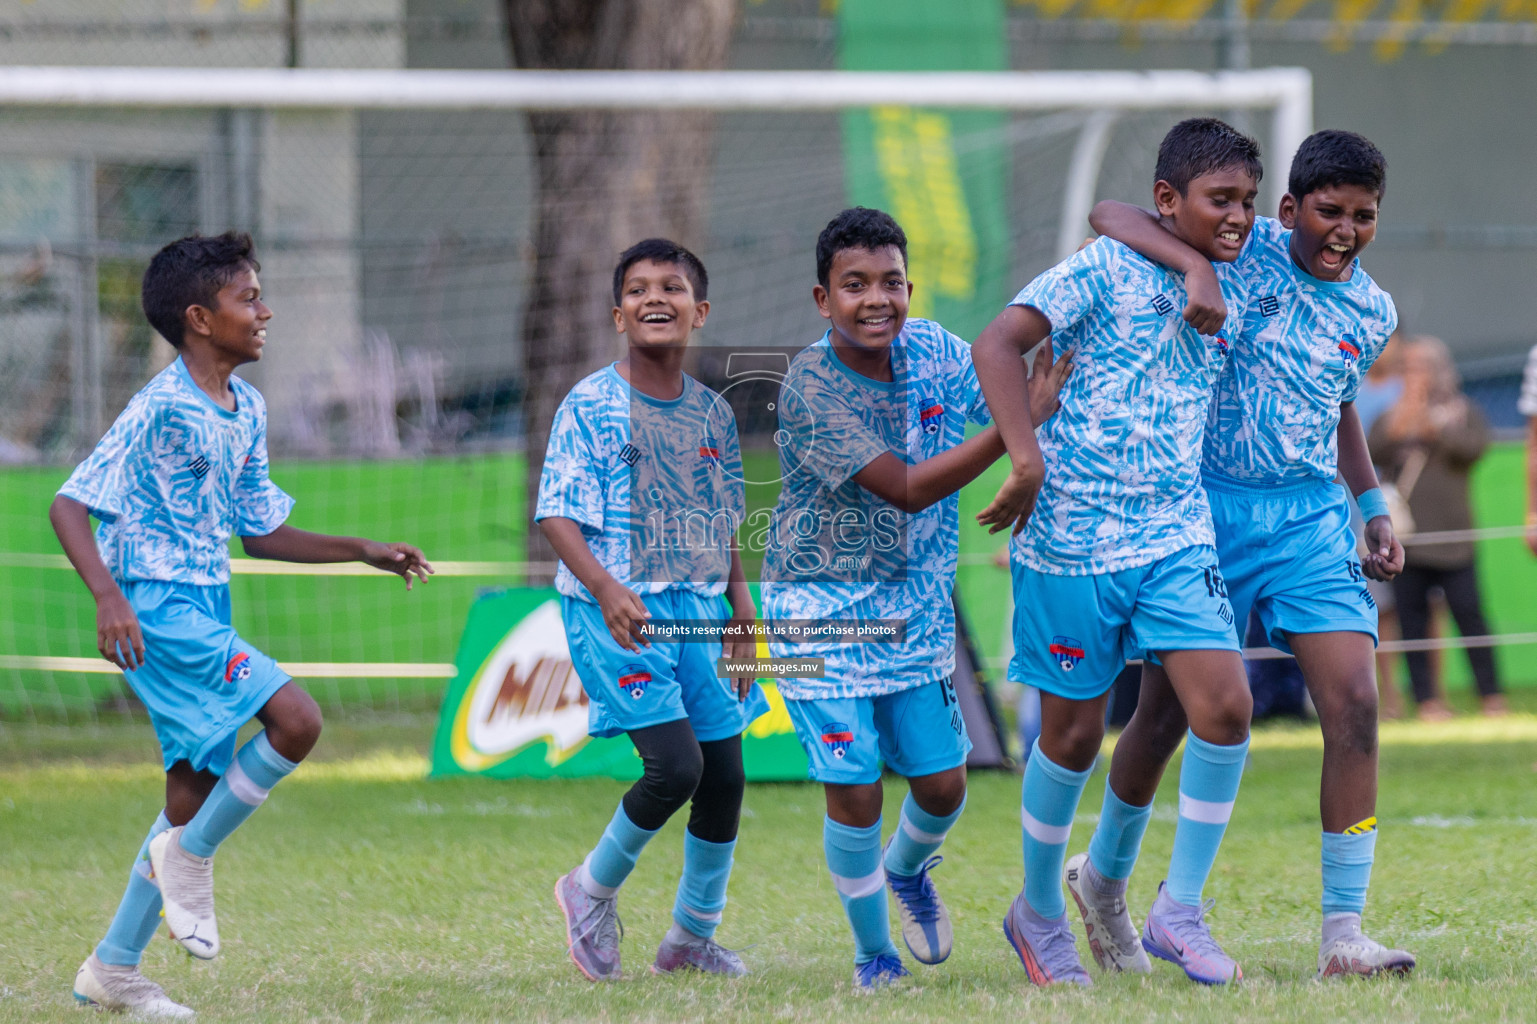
[[1528, 407], [1427, 444]]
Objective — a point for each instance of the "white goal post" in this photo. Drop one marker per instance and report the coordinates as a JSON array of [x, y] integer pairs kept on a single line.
[[1288, 92]]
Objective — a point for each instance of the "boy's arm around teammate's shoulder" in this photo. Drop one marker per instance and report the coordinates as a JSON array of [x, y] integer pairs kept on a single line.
[[1139, 230]]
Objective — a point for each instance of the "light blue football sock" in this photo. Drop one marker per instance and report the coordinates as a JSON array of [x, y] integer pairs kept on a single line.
[[854, 858], [612, 860], [133, 926], [1118, 836], [1347, 868], [1048, 801], [918, 835], [1208, 786], [702, 889], [254, 771]]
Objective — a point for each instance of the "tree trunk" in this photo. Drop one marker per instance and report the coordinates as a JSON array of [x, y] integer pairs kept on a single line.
[[606, 179]]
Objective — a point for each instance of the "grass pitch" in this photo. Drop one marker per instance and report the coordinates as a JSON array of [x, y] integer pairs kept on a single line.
[[363, 892]]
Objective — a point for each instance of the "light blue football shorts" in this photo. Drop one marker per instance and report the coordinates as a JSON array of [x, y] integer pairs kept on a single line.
[[665, 682], [200, 681], [916, 732], [1288, 553], [1074, 634]]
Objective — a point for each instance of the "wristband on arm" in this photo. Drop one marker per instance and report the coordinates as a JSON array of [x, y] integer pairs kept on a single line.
[[1372, 504]]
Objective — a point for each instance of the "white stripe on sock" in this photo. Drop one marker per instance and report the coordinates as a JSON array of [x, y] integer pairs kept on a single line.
[[917, 834], [1051, 835], [243, 786], [854, 888], [1207, 812], [713, 918]]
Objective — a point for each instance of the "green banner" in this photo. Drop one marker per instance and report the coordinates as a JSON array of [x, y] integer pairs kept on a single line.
[[942, 175], [516, 707]]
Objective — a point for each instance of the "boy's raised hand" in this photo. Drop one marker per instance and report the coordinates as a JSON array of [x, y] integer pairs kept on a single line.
[[1384, 556], [623, 613], [118, 637], [400, 559], [1045, 385]]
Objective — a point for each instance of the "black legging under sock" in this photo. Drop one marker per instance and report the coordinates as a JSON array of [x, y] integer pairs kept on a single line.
[[679, 768]]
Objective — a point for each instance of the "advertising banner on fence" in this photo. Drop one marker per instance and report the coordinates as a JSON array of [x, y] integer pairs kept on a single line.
[[516, 707]]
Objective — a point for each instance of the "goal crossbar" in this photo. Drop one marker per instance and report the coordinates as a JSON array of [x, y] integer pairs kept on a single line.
[[716, 90], [1103, 95]]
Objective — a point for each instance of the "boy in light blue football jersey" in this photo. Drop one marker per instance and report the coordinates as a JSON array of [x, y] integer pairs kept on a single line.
[[1280, 427], [641, 496], [182, 469], [1117, 560], [865, 533]]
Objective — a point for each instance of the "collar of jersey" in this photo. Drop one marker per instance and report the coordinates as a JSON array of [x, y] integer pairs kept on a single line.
[[186, 375], [1284, 241], [855, 375], [660, 403]]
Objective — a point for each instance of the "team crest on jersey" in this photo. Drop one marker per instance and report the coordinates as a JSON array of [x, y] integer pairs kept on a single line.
[[1350, 351], [200, 466], [633, 679], [709, 450], [1162, 304], [932, 417], [629, 455], [837, 737], [1067, 651], [238, 670]]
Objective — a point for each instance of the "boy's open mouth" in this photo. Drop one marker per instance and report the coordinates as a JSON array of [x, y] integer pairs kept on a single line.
[[1333, 255], [657, 318]]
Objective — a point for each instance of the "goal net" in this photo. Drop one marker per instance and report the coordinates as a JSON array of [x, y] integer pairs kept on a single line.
[[397, 218]]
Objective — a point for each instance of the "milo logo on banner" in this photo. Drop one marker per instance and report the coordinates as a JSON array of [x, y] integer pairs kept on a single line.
[[523, 691]]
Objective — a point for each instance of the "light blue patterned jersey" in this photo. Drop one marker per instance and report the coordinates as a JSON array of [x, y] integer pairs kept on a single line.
[[1123, 484], [175, 477], [837, 552], [1308, 343], [656, 486]]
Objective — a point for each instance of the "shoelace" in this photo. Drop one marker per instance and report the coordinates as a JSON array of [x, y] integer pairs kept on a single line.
[[193, 878], [886, 965], [602, 923], [1201, 939], [717, 955], [1057, 951], [917, 892]]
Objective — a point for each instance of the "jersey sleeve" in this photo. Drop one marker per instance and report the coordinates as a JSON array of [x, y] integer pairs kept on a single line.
[[969, 388], [1235, 295], [1069, 291], [100, 483], [569, 487], [261, 506], [1267, 233], [833, 441], [1377, 326]]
